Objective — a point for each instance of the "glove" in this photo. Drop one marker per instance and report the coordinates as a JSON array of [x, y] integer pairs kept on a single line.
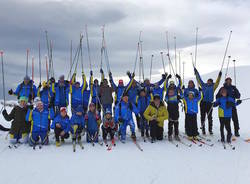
[[91, 73], [183, 87], [163, 76], [239, 102], [169, 76], [178, 77], [229, 104], [133, 75], [101, 70], [129, 74], [40, 85], [195, 70], [10, 92], [4, 112], [200, 89], [220, 73]]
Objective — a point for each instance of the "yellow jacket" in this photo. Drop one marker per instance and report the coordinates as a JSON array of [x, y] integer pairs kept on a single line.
[[160, 113]]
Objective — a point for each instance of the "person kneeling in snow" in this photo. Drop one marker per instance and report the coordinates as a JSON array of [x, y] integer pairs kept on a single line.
[[61, 126], [123, 115], [92, 124], [77, 124], [39, 118], [19, 128], [109, 127], [226, 105], [191, 110], [156, 113]]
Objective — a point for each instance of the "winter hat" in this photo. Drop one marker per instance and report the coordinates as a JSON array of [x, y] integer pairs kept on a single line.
[[63, 109], [26, 78], [23, 98], [210, 80], [108, 112], [156, 96], [61, 77], [91, 104], [37, 100], [228, 78], [191, 92], [77, 83], [121, 82]]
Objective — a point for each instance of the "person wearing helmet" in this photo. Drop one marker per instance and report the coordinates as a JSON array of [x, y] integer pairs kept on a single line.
[[19, 128], [206, 105], [26, 88], [234, 93], [156, 113], [39, 119]]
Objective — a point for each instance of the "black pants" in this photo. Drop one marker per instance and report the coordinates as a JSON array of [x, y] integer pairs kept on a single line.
[[58, 132], [206, 110], [156, 132], [138, 122], [235, 119], [191, 125], [144, 125], [173, 112], [225, 123], [108, 131]]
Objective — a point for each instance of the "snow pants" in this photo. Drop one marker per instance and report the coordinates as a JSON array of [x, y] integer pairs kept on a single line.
[[144, 125], [225, 123], [191, 125], [123, 128], [92, 136], [173, 112], [207, 110], [58, 136], [35, 136], [156, 132], [108, 131], [235, 119]]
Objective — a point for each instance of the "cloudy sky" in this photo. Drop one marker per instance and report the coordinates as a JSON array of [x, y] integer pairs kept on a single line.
[[23, 24]]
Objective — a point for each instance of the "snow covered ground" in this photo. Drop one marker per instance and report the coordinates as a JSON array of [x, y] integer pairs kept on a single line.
[[161, 162]]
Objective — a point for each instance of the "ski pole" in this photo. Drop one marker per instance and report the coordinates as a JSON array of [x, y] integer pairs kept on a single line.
[[183, 72], [192, 58], [175, 56], [224, 57], [86, 30], [40, 72], [27, 61], [196, 43], [163, 62], [180, 62], [228, 61], [47, 69], [168, 52], [152, 56], [70, 56], [136, 56], [234, 72], [1, 52], [244, 99]]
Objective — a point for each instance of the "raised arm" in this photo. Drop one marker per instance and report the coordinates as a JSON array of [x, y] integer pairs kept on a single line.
[[217, 81], [198, 77]]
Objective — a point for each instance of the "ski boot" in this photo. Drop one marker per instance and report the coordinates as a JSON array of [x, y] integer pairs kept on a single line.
[[203, 130], [170, 138], [58, 144], [133, 136], [229, 136], [177, 138], [62, 140], [236, 133]]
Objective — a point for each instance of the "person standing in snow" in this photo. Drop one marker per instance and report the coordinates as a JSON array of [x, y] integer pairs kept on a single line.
[[61, 126], [123, 115], [109, 127], [234, 93], [191, 110], [92, 124], [39, 119], [206, 105], [156, 113], [26, 88], [95, 92], [226, 104], [45, 93], [19, 130]]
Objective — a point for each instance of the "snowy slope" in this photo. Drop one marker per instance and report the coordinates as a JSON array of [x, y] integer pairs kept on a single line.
[[159, 163]]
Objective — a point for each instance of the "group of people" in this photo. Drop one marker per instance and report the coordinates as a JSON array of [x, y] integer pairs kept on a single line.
[[93, 108]]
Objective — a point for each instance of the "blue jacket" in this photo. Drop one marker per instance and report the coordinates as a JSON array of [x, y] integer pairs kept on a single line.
[[92, 122], [61, 95], [142, 104], [193, 89], [159, 91], [191, 106], [232, 91], [45, 95], [225, 106], [64, 122], [124, 110], [132, 93], [207, 90], [77, 120], [39, 120], [25, 90]]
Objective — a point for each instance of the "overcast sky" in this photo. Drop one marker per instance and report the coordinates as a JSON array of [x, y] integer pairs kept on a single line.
[[23, 24]]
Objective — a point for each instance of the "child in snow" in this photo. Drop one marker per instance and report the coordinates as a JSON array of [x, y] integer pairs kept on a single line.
[[77, 124], [226, 105], [142, 104], [19, 128], [39, 119], [191, 109], [92, 124], [123, 115], [61, 126], [172, 98], [109, 127], [156, 113]]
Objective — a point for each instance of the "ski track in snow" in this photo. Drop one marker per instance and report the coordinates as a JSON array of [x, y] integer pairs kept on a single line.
[[160, 162]]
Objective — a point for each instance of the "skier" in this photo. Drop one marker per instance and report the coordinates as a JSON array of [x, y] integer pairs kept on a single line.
[[123, 115], [142, 104], [77, 124], [26, 88], [19, 130], [109, 127], [234, 93], [226, 104], [172, 99], [61, 126], [95, 92], [191, 109], [191, 87], [206, 105], [45, 94], [92, 124], [156, 113], [61, 91], [39, 119], [106, 91]]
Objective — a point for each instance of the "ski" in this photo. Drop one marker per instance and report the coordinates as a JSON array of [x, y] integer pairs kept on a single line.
[[74, 146], [203, 142], [81, 145], [185, 144], [193, 141], [16, 145], [224, 145], [110, 146], [231, 146], [204, 138], [173, 143], [137, 145], [247, 140]]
